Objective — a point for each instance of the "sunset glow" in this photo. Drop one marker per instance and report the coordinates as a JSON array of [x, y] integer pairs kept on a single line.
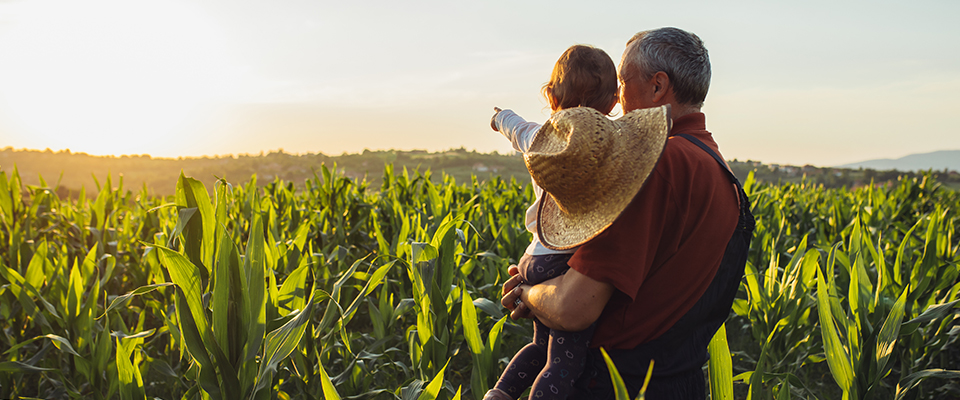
[[110, 74], [177, 78]]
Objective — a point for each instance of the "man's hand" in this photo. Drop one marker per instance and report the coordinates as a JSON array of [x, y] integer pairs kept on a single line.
[[493, 119], [512, 290], [569, 302]]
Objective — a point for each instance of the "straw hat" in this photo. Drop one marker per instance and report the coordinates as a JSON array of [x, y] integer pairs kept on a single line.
[[591, 167]]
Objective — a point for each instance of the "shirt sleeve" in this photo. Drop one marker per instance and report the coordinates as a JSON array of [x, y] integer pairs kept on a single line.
[[624, 254], [517, 130]]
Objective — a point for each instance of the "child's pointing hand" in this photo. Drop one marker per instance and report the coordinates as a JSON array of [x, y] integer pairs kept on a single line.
[[493, 119]]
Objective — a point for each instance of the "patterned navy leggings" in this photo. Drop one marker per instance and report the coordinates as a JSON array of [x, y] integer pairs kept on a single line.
[[549, 365]]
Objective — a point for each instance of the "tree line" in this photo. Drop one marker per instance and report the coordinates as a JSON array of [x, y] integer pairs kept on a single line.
[[68, 172]]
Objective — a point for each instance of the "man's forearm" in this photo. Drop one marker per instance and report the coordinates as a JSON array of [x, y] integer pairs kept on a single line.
[[547, 306], [570, 302]]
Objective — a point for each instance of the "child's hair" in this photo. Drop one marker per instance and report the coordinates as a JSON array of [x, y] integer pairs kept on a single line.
[[584, 76]]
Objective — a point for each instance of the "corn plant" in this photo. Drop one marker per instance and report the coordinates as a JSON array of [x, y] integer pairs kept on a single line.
[[856, 351], [779, 300], [619, 387], [235, 354], [720, 366], [211, 294]]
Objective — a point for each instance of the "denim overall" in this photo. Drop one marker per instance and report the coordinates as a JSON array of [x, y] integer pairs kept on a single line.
[[681, 351]]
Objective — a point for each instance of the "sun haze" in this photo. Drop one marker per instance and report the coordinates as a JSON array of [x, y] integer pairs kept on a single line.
[[108, 76]]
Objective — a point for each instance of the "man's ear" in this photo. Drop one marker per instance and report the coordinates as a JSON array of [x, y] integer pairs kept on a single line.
[[661, 84]]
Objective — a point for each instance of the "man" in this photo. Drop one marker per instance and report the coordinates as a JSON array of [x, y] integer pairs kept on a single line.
[[650, 280]]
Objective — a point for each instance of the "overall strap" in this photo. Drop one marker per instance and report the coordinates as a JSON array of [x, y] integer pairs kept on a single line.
[[711, 153], [744, 200]]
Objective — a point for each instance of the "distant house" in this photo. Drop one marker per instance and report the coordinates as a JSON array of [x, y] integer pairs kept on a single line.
[[788, 170], [479, 167]]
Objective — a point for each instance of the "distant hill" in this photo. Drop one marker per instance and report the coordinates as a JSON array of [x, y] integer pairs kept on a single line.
[[68, 172], [938, 160]]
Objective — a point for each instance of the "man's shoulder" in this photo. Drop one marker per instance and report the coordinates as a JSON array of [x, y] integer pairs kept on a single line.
[[684, 139], [681, 157], [689, 171], [681, 149]]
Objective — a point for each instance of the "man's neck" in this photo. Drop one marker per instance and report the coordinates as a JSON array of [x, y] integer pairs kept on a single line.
[[679, 110]]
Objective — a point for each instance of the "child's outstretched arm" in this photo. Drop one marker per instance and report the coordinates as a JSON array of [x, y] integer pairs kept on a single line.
[[517, 130]]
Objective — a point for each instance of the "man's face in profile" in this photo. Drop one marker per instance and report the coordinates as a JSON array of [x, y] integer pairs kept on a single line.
[[631, 88], [632, 85]]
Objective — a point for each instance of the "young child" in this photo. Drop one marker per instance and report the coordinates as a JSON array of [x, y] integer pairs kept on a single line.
[[584, 76]]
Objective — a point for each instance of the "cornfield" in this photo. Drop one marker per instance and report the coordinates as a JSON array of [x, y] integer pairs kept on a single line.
[[338, 290]]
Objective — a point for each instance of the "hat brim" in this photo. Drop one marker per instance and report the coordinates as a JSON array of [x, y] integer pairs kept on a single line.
[[629, 168]]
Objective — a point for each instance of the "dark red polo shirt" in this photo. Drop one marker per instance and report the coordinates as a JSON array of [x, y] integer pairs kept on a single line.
[[663, 250]]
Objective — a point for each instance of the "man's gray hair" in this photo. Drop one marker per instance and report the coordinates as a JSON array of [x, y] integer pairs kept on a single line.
[[678, 53]]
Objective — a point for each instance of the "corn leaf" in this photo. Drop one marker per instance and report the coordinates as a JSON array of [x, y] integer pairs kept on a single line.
[[191, 193], [194, 343], [887, 337], [253, 281], [433, 389], [187, 277], [377, 277], [35, 275], [74, 294], [58, 341], [292, 295], [120, 300], [333, 307], [471, 327], [227, 295], [911, 381], [471, 333], [619, 387], [131, 383], [20, 367], [138, 335], [329, 392], [281, 342], [720, 366], [62, 344], [838, 359]]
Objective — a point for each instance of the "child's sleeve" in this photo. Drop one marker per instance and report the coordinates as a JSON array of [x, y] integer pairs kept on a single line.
[[517, 130]]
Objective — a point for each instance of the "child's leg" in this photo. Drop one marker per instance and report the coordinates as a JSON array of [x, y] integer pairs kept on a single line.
[[526, 364], [566, 355]]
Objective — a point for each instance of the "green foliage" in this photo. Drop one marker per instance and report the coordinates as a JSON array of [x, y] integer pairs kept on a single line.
[[720, 366], [860, 263], [619, 386], [335, 290]]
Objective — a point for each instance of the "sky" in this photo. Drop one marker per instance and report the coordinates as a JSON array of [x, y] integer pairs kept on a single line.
[[812, 82]]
